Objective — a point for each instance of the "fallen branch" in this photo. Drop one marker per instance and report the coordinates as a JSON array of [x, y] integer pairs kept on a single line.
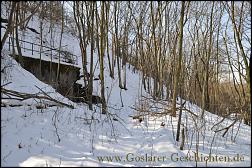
[[162, 102], [189, 111], [224, 117], [6, 84], [24, 96], [226, 128], [146, 113], [54, 100], [166, 112]]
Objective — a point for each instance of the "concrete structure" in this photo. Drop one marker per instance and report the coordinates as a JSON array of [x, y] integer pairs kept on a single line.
[[67, 76]]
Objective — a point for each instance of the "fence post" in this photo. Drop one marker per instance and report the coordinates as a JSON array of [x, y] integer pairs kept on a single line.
[[9, 43], [32, 48], [23, 43]]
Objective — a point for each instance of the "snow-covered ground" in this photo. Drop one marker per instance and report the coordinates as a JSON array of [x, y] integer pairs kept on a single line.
[[30, 136]]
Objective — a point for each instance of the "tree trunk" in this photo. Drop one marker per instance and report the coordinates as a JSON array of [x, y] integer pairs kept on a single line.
[[17, 38], [61, 34], [90, 83], [104, 107], [205, 93], [176, 78]]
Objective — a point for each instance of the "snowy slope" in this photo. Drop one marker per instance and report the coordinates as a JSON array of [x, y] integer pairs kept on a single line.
[[70, 43], [29, 136], [82, 140]]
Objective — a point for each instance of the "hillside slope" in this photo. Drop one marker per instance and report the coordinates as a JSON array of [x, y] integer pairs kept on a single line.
[[60, 136]]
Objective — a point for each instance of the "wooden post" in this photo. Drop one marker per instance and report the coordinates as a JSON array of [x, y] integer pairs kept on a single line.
[[9, 43], [23, 43], [32, 48]]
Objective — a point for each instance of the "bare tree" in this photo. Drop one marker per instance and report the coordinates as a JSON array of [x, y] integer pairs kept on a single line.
[[101, 57], [176, 80], [90, 83], [60, 44], [11, 26]]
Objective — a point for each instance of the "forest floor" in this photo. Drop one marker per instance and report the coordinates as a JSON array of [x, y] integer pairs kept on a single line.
[[33, 135]]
